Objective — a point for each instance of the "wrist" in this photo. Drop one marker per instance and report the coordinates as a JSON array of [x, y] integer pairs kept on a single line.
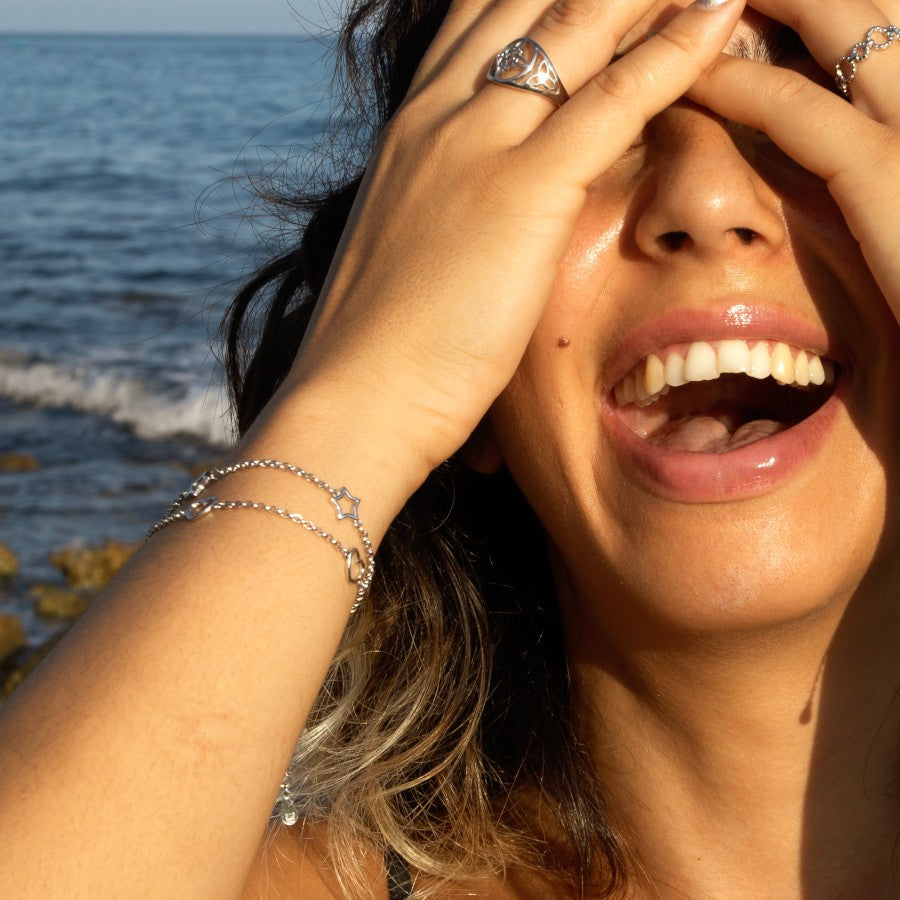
[[345, 440]]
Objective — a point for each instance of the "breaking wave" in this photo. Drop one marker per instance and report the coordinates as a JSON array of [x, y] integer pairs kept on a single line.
[[151, 411]]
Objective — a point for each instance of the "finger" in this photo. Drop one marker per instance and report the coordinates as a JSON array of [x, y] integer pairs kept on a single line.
[[579, 37], [830, 28], [468, 41], [858, 158], [582, 33], [813, 126], [600, 122], [461, 17]]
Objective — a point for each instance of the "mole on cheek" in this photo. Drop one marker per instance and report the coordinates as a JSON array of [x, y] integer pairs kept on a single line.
[[563, 342]]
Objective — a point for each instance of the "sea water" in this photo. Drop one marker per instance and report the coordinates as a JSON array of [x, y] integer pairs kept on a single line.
[[123, 177]]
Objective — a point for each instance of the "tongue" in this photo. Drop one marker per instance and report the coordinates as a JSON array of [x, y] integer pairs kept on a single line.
[[705, 434]]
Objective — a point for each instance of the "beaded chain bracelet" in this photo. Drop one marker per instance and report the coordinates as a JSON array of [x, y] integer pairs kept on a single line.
[[189, 507]]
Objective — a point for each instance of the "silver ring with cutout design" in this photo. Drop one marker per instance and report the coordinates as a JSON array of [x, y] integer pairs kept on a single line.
[[523, 64]]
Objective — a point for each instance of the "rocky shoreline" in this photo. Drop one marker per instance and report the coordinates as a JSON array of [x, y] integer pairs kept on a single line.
[[64, 582], [85, 571]]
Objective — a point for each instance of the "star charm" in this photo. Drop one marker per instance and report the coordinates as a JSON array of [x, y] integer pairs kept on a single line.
[[352, 501]]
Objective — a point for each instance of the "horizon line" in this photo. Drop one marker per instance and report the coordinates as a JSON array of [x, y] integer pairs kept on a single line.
[[62, 32]]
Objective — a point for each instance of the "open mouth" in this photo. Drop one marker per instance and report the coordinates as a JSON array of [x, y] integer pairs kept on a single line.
[[719, 396]]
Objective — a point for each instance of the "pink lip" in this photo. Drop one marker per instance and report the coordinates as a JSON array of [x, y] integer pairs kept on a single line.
[[714, 477]]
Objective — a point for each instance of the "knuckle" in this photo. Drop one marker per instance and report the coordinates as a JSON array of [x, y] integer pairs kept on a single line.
[[417, 139], [564, 14], [404, 141], [791, 91], [415, 116], [624, 84], [679, 40], [402, 126], [440, 142]]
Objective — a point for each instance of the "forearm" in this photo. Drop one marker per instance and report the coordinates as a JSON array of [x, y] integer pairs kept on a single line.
[[148, 748]]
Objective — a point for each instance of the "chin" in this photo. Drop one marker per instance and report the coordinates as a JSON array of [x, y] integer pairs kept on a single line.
[[754, 569]]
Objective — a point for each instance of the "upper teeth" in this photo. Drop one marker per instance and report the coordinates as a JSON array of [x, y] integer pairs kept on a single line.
[[707, 360]]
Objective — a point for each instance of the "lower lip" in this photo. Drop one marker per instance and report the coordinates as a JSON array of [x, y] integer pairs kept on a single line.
[[715, 477]]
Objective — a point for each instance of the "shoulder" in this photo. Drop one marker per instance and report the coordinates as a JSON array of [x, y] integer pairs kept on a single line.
[[293, 863]]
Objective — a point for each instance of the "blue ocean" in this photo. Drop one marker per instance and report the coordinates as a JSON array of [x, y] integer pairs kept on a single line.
[[127, 173]]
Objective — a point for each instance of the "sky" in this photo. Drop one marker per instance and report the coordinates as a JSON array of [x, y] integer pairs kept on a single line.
[[284, 17]]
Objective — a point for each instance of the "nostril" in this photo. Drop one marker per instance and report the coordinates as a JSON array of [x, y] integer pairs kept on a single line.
[[674, 240], [745, 235]]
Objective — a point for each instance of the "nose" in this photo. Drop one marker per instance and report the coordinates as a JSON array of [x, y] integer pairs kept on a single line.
[[702, 196]]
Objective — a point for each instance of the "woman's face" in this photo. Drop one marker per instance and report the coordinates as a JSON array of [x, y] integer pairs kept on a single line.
[[728, 502]]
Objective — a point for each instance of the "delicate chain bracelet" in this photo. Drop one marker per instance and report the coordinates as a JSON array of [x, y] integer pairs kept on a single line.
[[188, 508]]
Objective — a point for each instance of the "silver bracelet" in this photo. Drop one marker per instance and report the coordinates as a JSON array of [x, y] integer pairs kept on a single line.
[[188, 507]]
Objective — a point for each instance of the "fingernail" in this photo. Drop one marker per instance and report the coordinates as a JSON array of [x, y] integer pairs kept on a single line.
[[710, 4]]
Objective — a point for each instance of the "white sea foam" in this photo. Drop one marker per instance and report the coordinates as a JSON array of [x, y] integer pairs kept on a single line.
[[153, 414]]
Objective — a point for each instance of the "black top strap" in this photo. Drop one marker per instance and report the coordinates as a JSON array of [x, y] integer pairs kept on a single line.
[[399, 881]]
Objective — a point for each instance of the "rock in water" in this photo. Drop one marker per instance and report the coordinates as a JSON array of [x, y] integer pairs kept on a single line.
[[56, 602], [21, 662], [91, 568], [12, 634], [18, 462], [9, 563]]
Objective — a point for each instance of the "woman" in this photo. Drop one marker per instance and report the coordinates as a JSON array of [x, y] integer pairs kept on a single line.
[[519, 281]]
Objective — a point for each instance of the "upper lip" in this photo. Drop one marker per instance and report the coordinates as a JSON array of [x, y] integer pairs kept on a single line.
[[739, 320]]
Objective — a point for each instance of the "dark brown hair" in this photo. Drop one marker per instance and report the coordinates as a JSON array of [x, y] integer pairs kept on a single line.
[[446, 715]]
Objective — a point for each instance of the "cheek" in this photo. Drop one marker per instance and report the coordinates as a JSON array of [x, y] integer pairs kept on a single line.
[[546, 422], [833, 268], [591, 251], [575, 307], [554, 391], [557, 379]]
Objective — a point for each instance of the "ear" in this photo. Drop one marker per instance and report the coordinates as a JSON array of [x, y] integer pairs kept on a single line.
[[481, 452]]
